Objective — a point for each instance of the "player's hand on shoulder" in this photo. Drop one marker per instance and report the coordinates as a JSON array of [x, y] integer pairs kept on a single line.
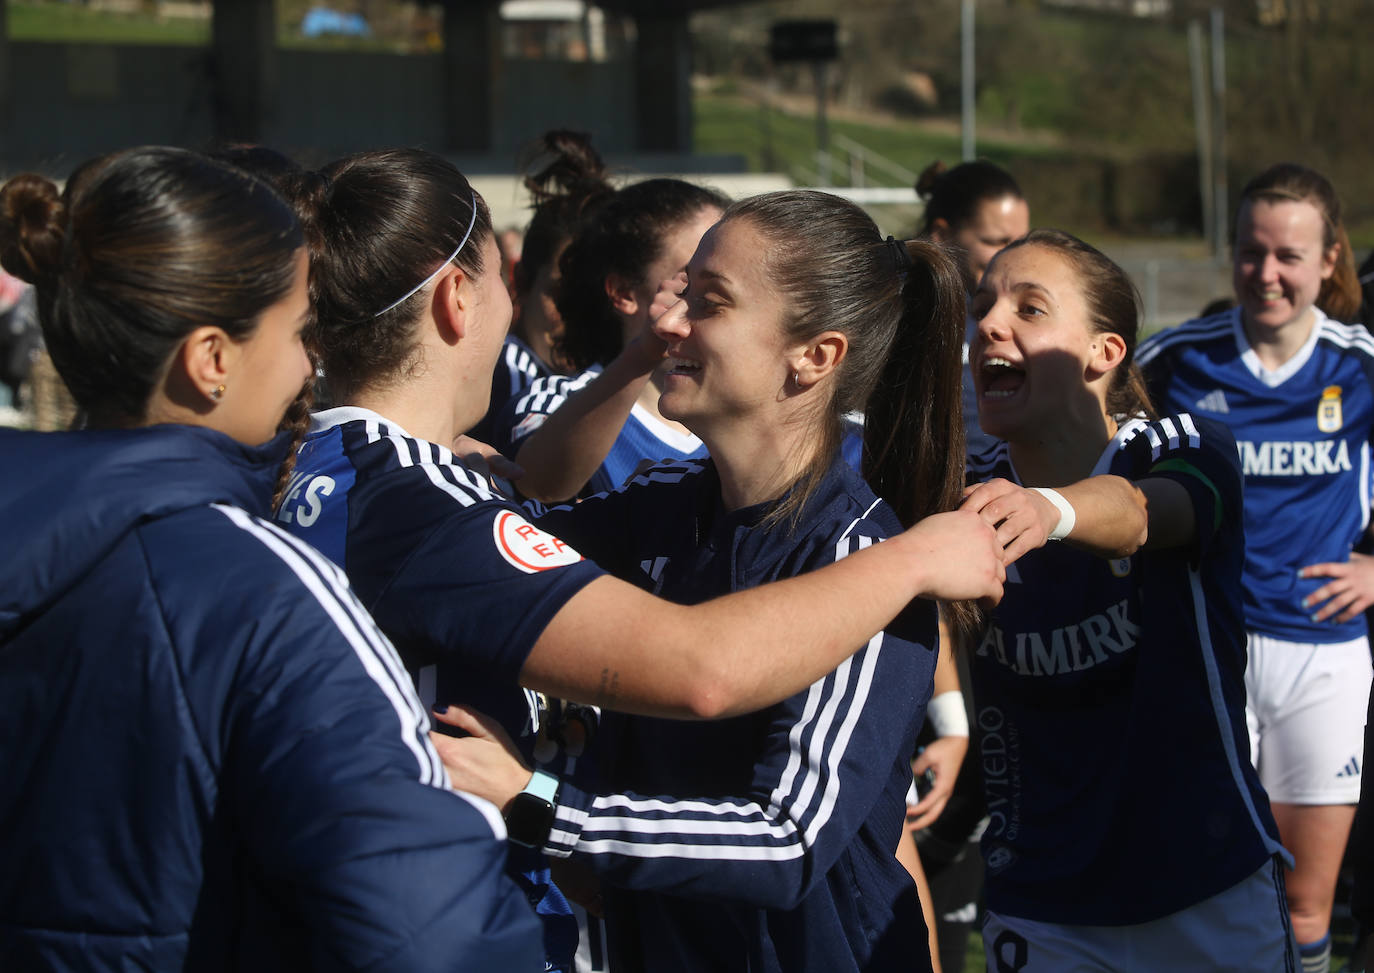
[[960, 556], [484, 460]]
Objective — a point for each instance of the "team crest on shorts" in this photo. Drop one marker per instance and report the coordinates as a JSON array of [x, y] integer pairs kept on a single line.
[[1329, 410], [527, 547]]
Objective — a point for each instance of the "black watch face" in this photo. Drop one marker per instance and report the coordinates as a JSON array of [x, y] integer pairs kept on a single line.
[[529, 820]]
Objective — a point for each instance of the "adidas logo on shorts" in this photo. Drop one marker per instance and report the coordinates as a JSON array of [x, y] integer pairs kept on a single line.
[[1351, 769]]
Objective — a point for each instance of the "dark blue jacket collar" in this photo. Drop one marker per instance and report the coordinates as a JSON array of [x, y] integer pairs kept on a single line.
[[66, 499]]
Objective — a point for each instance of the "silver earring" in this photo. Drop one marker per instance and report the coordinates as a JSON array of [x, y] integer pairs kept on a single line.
[[796, 380]]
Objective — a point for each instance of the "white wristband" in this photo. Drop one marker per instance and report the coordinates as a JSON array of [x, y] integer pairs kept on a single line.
[[947, 715], [1067, 517]]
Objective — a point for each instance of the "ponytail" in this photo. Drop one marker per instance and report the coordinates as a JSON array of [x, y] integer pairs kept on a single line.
[[913, 424], [913, 427]]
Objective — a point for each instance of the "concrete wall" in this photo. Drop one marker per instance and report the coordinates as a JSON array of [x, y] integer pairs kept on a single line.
[[535, 96], [72, 101]]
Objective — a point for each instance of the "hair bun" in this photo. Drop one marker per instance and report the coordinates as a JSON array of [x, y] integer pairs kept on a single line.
[[308, 192], [930, 175], [31, 228], [570, 166]]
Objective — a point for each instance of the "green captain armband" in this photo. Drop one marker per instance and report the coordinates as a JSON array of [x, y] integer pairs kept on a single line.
[[1188, 469]]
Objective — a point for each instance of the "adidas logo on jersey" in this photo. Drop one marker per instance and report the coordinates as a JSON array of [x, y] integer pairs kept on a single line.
[[1351, 768], [1214, 401], [653, 567]]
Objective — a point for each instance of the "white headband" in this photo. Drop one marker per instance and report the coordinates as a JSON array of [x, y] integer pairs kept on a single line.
[[440, 269]]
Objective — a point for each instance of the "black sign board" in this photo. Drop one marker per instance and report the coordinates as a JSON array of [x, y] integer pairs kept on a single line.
[[804, 40]]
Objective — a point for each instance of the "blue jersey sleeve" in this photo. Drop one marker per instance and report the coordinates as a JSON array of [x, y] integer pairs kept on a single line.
[[515, 371], [604, 525], [485, 582], [329, 777], [526, 412], [1199, 455]]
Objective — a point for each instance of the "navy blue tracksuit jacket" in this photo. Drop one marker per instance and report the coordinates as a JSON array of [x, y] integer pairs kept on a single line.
[[212, 758]]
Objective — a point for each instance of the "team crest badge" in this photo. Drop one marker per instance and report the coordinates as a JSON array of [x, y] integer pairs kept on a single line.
[[1121, 566], [999, 858], [1329, 410]]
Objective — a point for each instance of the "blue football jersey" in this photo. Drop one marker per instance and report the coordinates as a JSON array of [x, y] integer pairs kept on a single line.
[[643, 437], [453, 573], [1111, 707], [1303, 433], [515, 371], [762, 842]]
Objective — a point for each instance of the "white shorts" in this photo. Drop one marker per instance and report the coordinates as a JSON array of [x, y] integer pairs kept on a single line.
[[1245, 928], [1305, 707]]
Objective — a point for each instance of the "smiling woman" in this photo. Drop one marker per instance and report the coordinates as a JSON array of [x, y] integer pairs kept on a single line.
[[767, 841], [628, 242], [481, 602], [1140, 602], [1293, 383]]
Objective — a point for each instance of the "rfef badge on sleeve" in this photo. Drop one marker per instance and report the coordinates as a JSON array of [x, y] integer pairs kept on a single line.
[[1329, 409], [529, 548]]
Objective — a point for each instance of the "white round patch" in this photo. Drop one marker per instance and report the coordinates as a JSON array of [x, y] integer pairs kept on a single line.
[[529, 548]]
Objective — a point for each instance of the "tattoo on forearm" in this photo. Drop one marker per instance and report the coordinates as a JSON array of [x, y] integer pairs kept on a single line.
[[609, 689]]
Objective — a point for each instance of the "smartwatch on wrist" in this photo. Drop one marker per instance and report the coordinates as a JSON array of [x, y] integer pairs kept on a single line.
[[530, 818]]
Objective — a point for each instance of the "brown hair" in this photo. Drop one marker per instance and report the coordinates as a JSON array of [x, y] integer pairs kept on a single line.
[[377, 223], [571, 180], [143, 247], [622, 235], [954, 195], [1340, 296], [902, 307], [1113, 307]]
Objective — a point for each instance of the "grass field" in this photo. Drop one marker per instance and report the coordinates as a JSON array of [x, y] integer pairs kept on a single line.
[[69, 22], [778, 140], [66, 23], [785, 141]]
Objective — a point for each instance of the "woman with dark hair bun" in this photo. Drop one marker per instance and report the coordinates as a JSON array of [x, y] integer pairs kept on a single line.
[[976, 206], [569, 183], [201, 722], [1127, 829], [633, 240], [1295, 385]]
